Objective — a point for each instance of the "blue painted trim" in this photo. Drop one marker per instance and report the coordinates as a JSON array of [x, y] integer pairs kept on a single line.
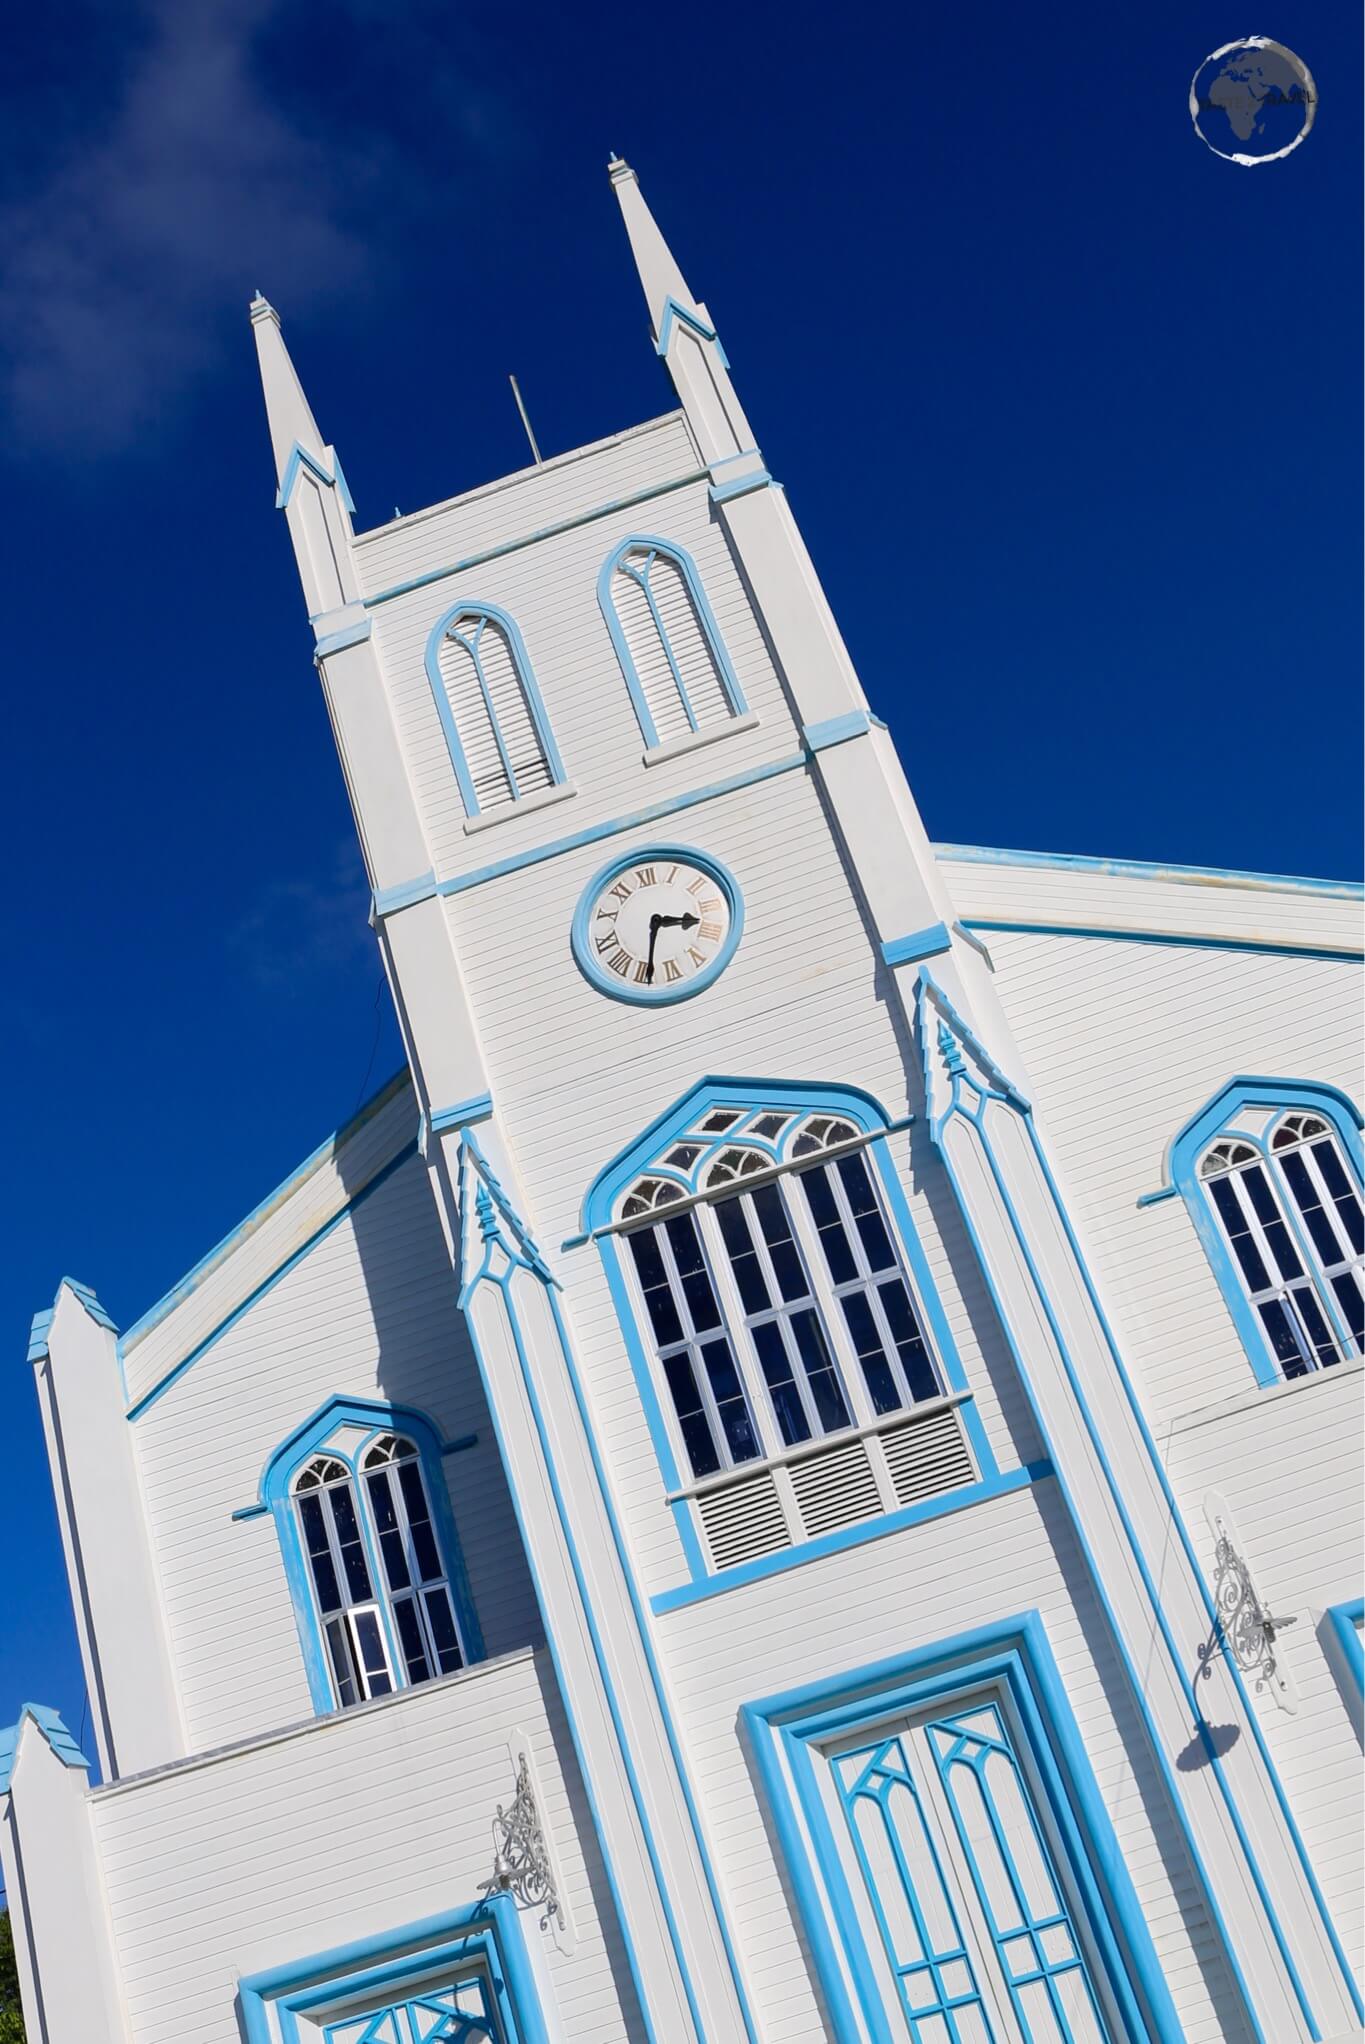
[[1182, 1167], [300, 458], [489, 1928], [485, 1274], [49, 1723], [928, 988], [1003, 1484], [521, 660], [656, 996], [424, 888], [1182, 940], [282, 1270], [729, 460], [40, 1328], [1144, 869], [386, 901], [721, 493], [1345, 1621], [512, 546], [337, 642], [676, 313], [254, 1511], [1014, 1656], [925, 943], [479, 1107], [328, 1147], [1154, 1199], [278, 1474], [836, 730], [734, 694]]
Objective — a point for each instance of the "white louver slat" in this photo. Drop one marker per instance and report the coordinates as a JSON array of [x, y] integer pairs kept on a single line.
[[743, 1521], [482, 643], [683, 636], [928, 1456], [835, 1489]]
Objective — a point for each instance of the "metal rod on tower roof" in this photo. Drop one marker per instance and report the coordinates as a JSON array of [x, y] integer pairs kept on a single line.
[[516, 392]]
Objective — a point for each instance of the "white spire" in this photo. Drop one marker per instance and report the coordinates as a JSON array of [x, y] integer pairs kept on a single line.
[[683, 332], [312, 489]]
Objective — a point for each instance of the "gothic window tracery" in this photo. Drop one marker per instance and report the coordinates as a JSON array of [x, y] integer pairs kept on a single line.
[[778, 1304], [1289, 1213]]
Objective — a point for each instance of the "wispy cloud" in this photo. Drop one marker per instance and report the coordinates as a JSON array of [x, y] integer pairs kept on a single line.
[[185, 183], [308, 928]]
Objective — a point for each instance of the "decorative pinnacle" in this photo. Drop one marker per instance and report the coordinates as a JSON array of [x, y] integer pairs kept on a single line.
[[950, 1052]]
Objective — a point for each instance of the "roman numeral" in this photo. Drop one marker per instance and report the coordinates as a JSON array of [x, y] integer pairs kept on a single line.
[[709, 933], [696, 886], [671, 971], [708, 908], [645, 875], [642, 972], [620, 964], [672, 875], [605, 943], [620, 892], [696, 956]]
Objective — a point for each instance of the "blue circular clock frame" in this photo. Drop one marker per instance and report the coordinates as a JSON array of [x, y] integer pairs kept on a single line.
[[656, 997]]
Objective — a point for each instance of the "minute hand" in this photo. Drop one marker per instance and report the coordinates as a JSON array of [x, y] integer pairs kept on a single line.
[[657, 923]]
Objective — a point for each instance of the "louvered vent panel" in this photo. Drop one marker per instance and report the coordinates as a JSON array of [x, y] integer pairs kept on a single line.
[[743, 1521], [513, 712], [515, 725], [472, 721], [691, 649], [928, 1456], [836, 1488]]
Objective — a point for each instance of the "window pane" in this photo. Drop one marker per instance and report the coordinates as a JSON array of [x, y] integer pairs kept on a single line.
[[1347, 1289], [390, 1537], [915, 1358], [829, 1225], [1283, 1339], [649, 1265], [339, 1653], [348, 1539], [1267, 1211], [1345, 1197], [441, 1619], [772, 1218], [826, 1389], [734, 1228], [371, 1646], [692, 1420], [319, 1553], [1319, 1334], [410, 1639], [1239, 1233], [777, 1373], [863, 1202], [863, 1332], [731, 1403], [1309, 1202]]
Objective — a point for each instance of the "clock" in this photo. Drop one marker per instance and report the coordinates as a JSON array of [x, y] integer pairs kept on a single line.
[[657, 925]]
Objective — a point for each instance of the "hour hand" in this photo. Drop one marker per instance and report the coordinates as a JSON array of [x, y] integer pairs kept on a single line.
[[686, 922]]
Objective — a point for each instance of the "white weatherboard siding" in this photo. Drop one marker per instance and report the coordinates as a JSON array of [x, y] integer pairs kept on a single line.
[[370, 1313], [848, 1611], [1124, 1043], [360, 1823], [1287, 1464], [550, 588], [575, 1079]]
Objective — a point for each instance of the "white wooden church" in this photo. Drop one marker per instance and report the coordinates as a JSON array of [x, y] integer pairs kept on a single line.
[[795, 1477]]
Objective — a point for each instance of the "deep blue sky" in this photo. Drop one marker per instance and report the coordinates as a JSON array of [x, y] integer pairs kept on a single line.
[[1067, 407]]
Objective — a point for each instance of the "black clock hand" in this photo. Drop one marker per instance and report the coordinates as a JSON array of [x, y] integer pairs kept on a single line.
[[654, 925], [687, 922]]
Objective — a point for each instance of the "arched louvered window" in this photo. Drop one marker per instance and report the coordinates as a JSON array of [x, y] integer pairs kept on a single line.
[[501, 746], [1289, 1209], [676, 668]]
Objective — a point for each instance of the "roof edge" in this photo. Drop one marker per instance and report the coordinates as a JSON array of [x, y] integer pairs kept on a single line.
[[1148, 869]]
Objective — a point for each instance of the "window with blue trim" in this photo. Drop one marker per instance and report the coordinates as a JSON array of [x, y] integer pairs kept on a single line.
[[380, 1585], [456, 2012], [676, 668], [944, 1848], [499, 739], [1287, 1206], [777, 1303]]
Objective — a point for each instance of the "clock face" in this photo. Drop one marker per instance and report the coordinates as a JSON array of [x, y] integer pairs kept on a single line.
[[657, 926]]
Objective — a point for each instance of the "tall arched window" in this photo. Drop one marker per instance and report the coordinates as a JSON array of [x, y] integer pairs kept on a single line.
[[371, 1553], [676, 668], [495, 725], [1289, 1208], [787, 1347]]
